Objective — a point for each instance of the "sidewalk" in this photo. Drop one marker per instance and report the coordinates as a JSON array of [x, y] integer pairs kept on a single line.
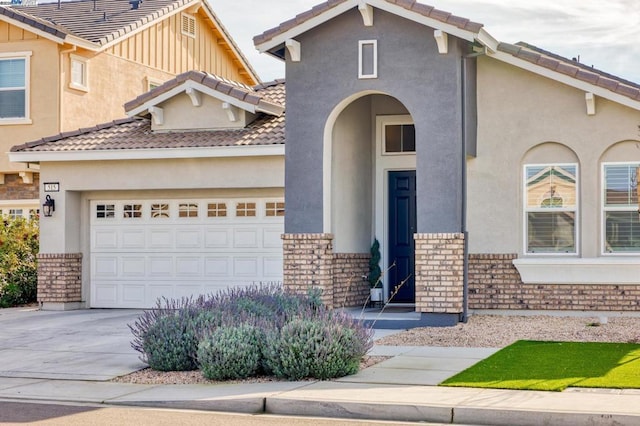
[[401, 388]]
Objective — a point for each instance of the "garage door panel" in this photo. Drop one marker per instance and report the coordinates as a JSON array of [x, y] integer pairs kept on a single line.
[[133, 238], [133, 266], [105, 239], [160, 238], [188, 238], [216, 238], [105, 266], [272, 266], [271, 237], [245, 266], [137, 260], [161, 266], [188, 266], [217, 266], [245, 238]]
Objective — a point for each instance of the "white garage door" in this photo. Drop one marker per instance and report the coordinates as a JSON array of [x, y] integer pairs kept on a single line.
[[143, 250]]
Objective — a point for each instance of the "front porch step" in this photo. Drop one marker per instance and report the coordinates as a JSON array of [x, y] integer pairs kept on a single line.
[[401, 318]]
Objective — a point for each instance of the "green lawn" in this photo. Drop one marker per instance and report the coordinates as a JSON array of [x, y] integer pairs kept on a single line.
[[554, 366]]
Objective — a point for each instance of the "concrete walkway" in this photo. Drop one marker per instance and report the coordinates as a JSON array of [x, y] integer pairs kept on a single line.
[[401, 388]]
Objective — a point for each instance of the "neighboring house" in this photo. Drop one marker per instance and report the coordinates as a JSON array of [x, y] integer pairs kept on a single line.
[[495, 176], [159, 204], [73, 66]]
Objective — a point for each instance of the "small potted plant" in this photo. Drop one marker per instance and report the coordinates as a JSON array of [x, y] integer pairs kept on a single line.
[[375, 274]]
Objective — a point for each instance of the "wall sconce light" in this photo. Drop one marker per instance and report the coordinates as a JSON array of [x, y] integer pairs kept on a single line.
[[49, 206]]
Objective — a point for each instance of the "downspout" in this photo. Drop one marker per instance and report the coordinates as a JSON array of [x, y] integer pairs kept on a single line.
[[61, 88], [463, 219]]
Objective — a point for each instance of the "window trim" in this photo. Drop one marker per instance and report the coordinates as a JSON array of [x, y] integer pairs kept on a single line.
[[525, 211], [361, 44], [26, 55], [84, 85], [604, 209], [393, 120]]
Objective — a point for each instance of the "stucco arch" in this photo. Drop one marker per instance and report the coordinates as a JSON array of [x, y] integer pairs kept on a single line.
[[348, 162], [621, 151], [549, 153]]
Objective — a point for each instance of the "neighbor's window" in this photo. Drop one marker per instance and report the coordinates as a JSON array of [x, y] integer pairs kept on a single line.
[[15, 213], [399, 138], [79, 73], [621, 209], [14, 86], [550, 208]]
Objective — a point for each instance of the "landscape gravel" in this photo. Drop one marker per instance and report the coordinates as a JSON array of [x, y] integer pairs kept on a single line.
[[481, 331]]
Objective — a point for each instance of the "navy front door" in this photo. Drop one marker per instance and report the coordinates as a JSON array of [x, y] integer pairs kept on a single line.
[[402, 226]]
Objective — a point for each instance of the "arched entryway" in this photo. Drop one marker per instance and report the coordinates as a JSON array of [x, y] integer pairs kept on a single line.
[[369, 173]]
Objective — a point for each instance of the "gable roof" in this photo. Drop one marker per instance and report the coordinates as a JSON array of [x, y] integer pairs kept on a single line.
[[521, 55], [321, 13], [133, 138], [96, 25], [237, 94]]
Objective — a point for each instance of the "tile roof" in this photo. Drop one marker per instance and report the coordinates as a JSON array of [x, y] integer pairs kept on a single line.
[[244, 93], [86, 19], [571, 68], [135, 134], [419, 8]]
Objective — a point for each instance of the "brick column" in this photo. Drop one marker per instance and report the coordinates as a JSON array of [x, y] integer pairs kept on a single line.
[[308, 263], [439, 273], [60, 280]]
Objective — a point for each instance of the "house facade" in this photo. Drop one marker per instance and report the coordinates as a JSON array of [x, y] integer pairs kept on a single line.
[[74, 66], [183, 197], [495, 176]]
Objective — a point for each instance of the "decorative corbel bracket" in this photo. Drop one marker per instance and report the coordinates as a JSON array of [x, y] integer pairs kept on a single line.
[[157, 114], [590, 99], [231, 111], [294, 49], [442, 40], [194, 95], [27, 177], [366, 10]]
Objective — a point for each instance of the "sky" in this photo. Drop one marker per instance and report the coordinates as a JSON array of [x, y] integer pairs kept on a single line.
[[603, 33]]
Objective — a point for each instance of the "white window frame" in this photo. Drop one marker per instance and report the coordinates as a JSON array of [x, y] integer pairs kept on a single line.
[[604, 209], [189, 20], [84, 62], [526, 210], [27, 88], [153, 82], [361, 45]]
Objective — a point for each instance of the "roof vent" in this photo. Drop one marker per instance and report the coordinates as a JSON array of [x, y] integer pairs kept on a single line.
[[135, 4]]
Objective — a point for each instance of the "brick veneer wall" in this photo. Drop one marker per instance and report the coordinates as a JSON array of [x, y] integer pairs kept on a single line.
[[349, 286], [14, 189], [439, 270], [60, 277], [308, 263], [494, 283]]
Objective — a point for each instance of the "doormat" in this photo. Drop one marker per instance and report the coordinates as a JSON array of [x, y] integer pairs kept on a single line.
[[398, 310]]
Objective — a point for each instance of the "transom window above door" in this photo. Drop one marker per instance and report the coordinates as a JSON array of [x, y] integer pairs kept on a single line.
[[399, 138]]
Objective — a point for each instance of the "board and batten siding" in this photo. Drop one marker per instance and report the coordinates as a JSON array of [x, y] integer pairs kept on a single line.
[[163, 46], [13, 33]]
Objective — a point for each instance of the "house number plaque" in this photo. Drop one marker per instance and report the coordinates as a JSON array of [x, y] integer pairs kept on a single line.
[[51, 186]]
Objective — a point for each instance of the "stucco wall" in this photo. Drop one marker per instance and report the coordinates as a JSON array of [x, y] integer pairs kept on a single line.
[[410, 69], [195, 178], [525, 118]]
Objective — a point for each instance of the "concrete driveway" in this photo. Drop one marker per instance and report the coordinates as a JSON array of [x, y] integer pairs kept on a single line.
[[89, 344]]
